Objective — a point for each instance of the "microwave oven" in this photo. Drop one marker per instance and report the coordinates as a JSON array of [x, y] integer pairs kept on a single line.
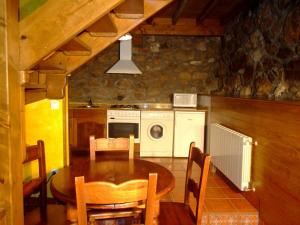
[[184, 100]]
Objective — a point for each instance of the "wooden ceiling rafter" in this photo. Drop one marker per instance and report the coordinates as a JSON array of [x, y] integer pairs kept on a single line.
[[184, 26], [182, 4], [206, 10]]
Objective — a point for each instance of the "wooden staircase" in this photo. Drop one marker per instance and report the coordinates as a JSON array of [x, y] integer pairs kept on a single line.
[[62, 35]]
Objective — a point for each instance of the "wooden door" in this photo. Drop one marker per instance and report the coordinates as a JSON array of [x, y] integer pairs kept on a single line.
[[11, 198]]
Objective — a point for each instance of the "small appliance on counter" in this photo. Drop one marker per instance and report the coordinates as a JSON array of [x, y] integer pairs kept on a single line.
[[185, 100]]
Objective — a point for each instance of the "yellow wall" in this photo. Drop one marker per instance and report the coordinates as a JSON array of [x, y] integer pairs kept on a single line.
[[46, 123]]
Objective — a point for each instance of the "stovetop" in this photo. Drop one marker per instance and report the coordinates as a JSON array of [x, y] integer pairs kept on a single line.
[[124, 107]]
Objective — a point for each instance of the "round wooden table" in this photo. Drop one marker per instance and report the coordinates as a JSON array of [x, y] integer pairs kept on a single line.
[[116, 171]]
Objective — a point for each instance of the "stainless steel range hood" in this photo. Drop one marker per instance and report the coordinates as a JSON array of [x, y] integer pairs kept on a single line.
[[125, 64]]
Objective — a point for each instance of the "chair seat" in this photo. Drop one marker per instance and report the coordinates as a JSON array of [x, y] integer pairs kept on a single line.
[[119, 213], [174, 213], [31, 185]]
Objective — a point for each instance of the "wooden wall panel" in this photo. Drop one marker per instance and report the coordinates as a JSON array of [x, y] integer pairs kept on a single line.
[[276, 159], [11, 196]]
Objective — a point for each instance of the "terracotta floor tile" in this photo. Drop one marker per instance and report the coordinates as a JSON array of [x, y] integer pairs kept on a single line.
[[242, 205], [229, 193], [219, 205], [212, 183], [214, 193], [179, 175]]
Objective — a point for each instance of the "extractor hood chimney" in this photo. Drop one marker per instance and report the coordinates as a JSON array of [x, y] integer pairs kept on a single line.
[[125, 64]]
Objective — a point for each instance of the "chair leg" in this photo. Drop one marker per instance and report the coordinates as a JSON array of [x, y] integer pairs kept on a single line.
[[43, 201]]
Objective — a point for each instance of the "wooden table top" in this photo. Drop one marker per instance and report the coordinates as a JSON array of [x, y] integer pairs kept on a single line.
[[116, 171]]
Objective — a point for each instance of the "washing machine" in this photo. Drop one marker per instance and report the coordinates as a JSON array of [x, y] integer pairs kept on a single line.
[[157, 133]]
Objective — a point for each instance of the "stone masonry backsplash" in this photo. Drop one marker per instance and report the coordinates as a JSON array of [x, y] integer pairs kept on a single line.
[[168, 65], [261, 53], [258, 57]]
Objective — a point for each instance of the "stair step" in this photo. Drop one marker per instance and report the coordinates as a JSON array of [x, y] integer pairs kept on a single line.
[[130, 9], [55, 23], [76, 47], [105, 27]]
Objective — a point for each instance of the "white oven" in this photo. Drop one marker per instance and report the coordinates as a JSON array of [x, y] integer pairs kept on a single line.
[[121, 123]]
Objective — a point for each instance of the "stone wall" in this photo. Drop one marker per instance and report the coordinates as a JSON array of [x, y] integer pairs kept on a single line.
[[261, 52], [169, 64]]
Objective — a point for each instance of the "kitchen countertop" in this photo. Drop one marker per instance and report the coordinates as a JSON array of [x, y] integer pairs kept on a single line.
[[143, 107]]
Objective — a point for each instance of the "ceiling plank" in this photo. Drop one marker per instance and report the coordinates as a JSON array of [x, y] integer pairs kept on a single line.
[[179, 11], [55, 23], [206, 10], [184, 26]]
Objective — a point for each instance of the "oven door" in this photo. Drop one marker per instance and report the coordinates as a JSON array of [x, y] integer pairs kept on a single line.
[[124, 129]]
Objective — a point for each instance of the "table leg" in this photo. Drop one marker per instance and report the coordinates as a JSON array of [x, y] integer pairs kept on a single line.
[[71, 214]]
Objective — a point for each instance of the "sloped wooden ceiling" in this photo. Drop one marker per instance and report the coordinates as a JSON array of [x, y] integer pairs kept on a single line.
[[195, 17], [57, 37]]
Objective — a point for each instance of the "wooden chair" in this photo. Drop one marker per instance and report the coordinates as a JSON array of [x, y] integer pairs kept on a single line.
[[173, 213], [104, 200], [111, 144], [39, 184]]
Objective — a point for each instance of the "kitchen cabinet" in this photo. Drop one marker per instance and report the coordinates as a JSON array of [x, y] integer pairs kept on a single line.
[[83, 123], [189, 127]]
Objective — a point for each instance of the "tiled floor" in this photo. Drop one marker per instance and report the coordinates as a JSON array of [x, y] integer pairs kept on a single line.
[[224, 204]]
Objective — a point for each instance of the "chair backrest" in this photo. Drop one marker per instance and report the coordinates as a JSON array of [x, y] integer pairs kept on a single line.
[[39, 184], [193, 188], [36, 152], [111, 144], [105, 193]]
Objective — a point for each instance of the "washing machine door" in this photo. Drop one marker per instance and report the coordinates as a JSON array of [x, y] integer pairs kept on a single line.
[[156, 131]]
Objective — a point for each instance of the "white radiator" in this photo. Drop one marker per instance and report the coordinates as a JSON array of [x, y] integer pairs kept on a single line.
[[231, 154]]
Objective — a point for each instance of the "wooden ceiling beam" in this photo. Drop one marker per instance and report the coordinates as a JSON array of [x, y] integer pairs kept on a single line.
[[206, 10], [179, 11], [184, 26], [55, 23]]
